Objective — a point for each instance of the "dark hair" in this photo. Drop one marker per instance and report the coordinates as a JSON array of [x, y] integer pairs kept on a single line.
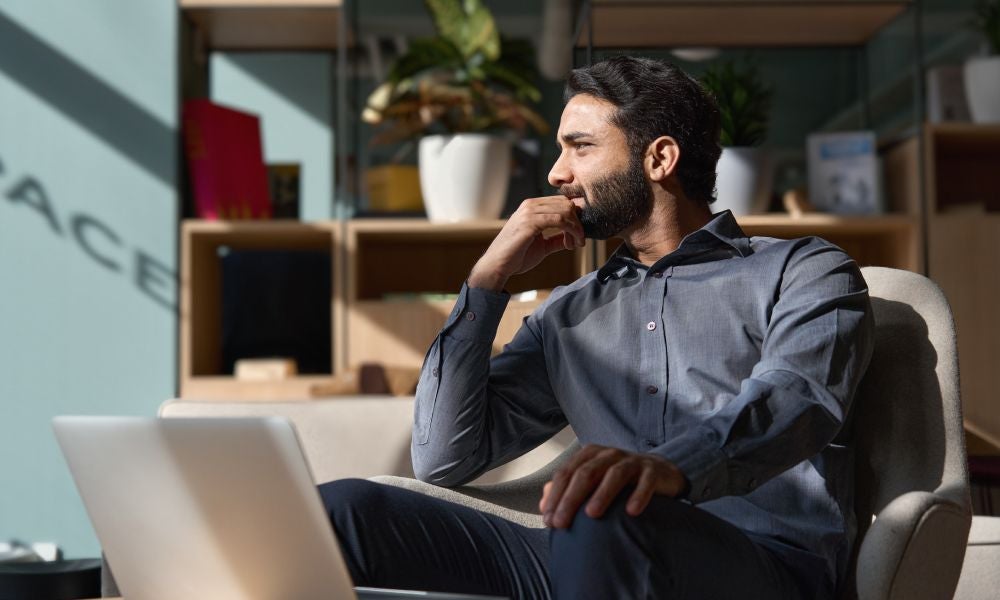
[[656, 98]]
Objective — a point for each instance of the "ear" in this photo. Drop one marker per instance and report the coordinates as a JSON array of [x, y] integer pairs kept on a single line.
[[662, 156]]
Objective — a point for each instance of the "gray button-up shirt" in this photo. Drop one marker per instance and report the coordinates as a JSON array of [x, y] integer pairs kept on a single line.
[[736, 358]]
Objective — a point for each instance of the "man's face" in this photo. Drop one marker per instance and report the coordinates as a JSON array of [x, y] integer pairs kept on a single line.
[[597, 171]]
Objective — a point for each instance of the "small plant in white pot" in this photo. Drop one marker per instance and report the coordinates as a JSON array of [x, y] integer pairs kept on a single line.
[[466, 94], [982, 73], [742, 185]]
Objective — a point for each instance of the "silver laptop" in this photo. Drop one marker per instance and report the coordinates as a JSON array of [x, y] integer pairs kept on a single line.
[[208, 508]]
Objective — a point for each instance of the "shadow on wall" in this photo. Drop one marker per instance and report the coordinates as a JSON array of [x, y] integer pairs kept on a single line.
[[98, 241], [94, 105], [284, 76], [135, 133]]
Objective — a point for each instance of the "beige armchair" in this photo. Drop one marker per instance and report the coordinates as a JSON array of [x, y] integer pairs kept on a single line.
[[912, 505]]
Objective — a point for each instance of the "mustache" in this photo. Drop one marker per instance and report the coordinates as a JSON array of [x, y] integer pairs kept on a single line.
[[573, 191]]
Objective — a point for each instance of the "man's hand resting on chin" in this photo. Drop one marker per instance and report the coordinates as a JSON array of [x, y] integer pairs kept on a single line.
[[597, 474]]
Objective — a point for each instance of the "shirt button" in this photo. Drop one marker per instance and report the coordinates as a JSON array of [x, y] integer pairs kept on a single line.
[[650, 443], [752, 484], [434, 371], [651, 326], [652, 389], [657, 274], [470, 316]]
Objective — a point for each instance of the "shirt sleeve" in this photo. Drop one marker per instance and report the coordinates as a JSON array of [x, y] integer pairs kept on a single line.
[[473, 413], [816, 348]]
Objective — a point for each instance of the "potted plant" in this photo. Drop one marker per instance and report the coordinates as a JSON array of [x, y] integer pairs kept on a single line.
[[744, 105], [464, 93], [982, 73]]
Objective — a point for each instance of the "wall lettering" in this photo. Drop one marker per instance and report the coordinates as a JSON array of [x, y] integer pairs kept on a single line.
[[98, 241], [83, 223], [30, 192]]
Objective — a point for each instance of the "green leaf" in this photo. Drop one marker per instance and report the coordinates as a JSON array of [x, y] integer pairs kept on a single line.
[[425, 54], [467, 24], [744, 102], [513, 80]]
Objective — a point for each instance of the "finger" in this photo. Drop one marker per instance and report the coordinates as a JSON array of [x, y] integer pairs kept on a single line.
[[560, 206], [560, 479], [545, 492], [643, 493], [615, 479], [585, 478]]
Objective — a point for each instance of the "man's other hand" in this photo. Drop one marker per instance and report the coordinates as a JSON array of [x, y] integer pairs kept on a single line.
[[521, 244], [597, 474]]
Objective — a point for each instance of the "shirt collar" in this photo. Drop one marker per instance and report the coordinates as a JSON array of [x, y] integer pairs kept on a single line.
[[722, 229]]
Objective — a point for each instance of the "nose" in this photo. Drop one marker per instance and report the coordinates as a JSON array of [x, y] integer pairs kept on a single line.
[[560, 174]]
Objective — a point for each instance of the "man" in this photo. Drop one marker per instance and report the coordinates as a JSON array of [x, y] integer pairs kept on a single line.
[[708, 374]]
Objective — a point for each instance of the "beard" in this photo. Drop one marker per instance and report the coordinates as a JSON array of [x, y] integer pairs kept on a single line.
[[614, 203]]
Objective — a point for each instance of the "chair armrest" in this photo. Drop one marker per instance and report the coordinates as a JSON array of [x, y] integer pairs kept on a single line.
[[515, 500], [914, 549]]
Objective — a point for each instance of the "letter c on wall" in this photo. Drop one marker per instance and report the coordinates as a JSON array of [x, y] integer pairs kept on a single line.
[[83, 223]]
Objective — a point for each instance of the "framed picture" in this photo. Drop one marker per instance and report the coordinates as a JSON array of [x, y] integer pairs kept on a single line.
[[844, 173]]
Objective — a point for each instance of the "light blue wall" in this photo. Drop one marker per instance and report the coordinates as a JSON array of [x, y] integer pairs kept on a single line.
[[293, 95], [88, 225]]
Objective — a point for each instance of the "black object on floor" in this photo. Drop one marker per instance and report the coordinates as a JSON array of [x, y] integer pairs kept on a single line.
[[57, 580]]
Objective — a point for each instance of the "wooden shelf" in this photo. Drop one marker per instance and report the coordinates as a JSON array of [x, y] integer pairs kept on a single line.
[[266, 24], [885, 240], [729, 23], [202, 372]]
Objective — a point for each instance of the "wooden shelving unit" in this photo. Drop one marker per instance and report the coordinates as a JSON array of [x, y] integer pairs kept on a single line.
[[961, 179], [382, 312], [266, 24], [962, 182], [729, 23]]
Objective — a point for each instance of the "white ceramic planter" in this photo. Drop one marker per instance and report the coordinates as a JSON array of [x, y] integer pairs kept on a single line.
[[741, 184], [982, 87], [464, 176]]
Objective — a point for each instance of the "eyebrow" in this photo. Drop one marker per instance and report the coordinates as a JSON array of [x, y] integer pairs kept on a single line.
[[573, 136]]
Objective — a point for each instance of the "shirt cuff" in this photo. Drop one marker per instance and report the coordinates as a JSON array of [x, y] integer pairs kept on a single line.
[[703, 464], [476, 315]]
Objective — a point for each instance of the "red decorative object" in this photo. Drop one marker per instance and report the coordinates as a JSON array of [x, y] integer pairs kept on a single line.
[[225, 162]]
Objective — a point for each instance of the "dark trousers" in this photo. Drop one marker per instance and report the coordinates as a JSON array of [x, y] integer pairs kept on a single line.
[[397, 538]]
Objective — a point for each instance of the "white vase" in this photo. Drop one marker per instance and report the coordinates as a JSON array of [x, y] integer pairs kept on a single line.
[[982, 87], [741, 184], [464, 176]]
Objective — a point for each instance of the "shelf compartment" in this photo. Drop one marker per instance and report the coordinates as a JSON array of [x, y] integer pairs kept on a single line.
[[737, 23], [397, 333], [402, 257], [202, 369], [388, 257], [964, 174], [266, 24]]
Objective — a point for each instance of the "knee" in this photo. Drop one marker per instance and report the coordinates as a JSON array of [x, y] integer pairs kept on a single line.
[[351, 496], [616, 521]]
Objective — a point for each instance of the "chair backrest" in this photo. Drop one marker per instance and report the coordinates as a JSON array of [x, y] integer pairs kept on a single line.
[[907, 411], [909, 446]]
